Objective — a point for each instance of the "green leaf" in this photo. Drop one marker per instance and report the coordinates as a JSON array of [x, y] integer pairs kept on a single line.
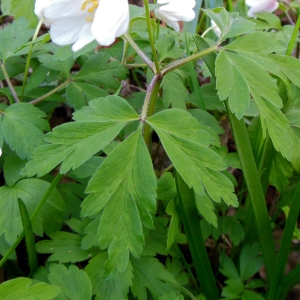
[[79, 94], [230, 24], [174, 229], [22, 127], [74, 143], [167, 48], [257, 42], [235, 87], [174, 91], [74, 283], [206, 209], [65, 247], [233, 289], [21, 9], [264, 91], [12, 166], [124, 185], [250, 262], [101, 70], [61, 66], [228, 268], [249, 295], [150, 274], [107, 289], [13, 36], [187, 145], [166, 189], [31, 192], [22, 288]]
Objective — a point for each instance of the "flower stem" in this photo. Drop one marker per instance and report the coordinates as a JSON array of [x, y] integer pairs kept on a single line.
[[151, 36], [179, 63], [29, 57], [51, 92], [11, 88], [142, 55]]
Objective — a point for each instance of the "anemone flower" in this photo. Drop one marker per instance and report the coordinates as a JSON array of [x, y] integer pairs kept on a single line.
[[79, 22], [174, 11], [261, 6]]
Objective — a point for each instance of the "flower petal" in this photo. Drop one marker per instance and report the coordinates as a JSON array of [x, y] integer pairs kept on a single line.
[[111, 21]]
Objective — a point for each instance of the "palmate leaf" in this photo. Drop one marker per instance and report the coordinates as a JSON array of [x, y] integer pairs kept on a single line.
[[124, 185], [22, 126], [187, 145], [31, 192], [107, 289], [22, 288], [254, 80], [150, 274], [74, 143], [74, 283]]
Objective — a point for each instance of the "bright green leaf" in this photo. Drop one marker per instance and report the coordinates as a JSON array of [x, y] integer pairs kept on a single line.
[[206, 209], [187, 145], [22, 288], [24, 8], [235, 87], [74, 143], [124, 185]]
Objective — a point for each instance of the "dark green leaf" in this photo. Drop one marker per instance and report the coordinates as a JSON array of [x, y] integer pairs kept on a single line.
[[108, 289], [22, 128]]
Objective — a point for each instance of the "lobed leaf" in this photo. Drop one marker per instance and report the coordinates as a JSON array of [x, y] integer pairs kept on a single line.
[[74, 283], [74, 143], [22, 288], [187, 145], [31, 192], [107, 289], [22, 126], [124, 186]]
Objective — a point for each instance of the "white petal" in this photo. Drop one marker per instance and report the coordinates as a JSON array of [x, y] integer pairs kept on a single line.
[[0, 151], [85, 37], [66, 31], [63, 8], [175, 10], [268, 6], [216, 29], [111, 21]]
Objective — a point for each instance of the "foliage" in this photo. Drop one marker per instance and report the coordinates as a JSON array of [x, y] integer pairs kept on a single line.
[[124, 171]]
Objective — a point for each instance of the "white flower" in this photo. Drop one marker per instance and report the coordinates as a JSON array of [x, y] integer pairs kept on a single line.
[[261, 6], [0, 151], [215, 28], [79, 22], [175, 10]]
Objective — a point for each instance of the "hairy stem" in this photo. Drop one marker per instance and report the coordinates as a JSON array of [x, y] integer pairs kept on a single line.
[[151, 36]]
